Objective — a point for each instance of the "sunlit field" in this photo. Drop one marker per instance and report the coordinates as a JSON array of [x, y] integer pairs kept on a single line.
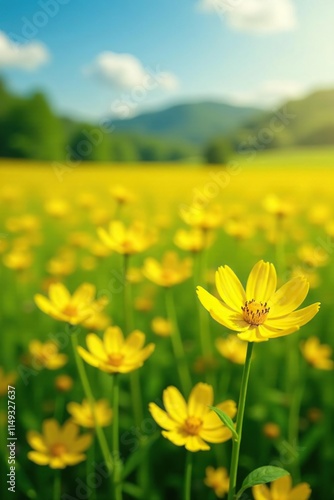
[[144, 238]]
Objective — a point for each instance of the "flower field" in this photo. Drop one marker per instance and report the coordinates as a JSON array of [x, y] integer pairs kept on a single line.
[[152, 317]]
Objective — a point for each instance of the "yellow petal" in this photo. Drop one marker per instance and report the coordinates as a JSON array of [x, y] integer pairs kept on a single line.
[[195, 443], [69, 432], [296, 318], [289, 297], [175, 404], [253, 334], [74, 409], [212, 421], [36, 441], [176, 437], [262, 282], [268, 332], [201, 397], [59, 295], [281, 487], [57, 463], [84, 294], [300, 492], [219, 435], [46, 306], [89, 358], [113, 339], [73, 458], [229, 288], [105, 238], [161, 417], [135, 341], [221, 313], [38, 458], [96, 347], [50, 431], [81, 443], [261, 492]]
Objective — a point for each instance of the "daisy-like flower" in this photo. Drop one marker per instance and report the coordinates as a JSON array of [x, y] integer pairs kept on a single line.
[[73, 309], [316, 354], [171, 271], [127, 241], [232, 349], [46, 355], [114, 354], [281, 489], [258, 313], [218, 480], [82, 413], [192, 424], [58, 446]]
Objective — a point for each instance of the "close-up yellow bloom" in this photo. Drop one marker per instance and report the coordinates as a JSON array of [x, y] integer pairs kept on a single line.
[[281, 489], [171, 271], [192, 424], [260, 312], [127, 241], [58, 446], [317, 354], [232, 349], [82, 413], [218, 480], [73, 309], [116, 354], [46, 355]]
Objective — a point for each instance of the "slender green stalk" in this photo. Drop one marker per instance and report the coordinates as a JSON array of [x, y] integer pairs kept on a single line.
[[57, 484], [297, 390], [240, 419], [187, 476], [177, 344], [115, 440], [89, 395], [90, 471]]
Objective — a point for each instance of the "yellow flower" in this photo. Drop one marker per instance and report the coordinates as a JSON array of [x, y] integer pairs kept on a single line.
[[6, 379], [218, 480], [260, 313], [57, 208], [82, 414], [317, 354], [271, 430], [98, 321], [203, 218], [192, 424], [46, 355], [161, 326], [313, 256], [73, 309], [17, 259], [171, 271], [193, 241], [121, 194], [58, 446], [115, 354], [281, 490], [63, 383], [127, 241], [240, 230], [232, 348], [277, 206]]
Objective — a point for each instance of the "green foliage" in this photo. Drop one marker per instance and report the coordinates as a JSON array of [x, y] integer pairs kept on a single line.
[[262, 475], [218, 151], [227, 421]]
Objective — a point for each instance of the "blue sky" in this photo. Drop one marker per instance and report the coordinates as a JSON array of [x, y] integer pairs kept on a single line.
[[232, 50]]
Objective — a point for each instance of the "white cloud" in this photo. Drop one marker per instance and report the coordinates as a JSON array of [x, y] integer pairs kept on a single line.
[[125, 71], [26, 56], [269, 93], [254, 16]]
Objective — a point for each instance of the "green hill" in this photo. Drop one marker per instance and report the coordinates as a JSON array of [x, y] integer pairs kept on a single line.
[[193, 123]]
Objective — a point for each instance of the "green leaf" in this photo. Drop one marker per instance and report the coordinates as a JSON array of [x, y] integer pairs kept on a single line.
[[261, 475], [227, 421]]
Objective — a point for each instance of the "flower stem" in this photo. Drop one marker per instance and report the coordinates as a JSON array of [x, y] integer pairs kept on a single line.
[[57, 484], [115, 440], [240, 418], [177, 344], [187, 476], [89, 395]]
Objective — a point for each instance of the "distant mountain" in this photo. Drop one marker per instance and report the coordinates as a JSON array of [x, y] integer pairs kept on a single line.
[[307, 121], [194, 123]]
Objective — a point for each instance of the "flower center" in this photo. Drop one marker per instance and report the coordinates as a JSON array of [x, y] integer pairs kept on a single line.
[[192, 425], [70, 310], [255, 313], [115, 359], [58, 449]]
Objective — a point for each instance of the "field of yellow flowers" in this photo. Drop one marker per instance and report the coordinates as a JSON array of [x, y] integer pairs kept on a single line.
[[166, 332]]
